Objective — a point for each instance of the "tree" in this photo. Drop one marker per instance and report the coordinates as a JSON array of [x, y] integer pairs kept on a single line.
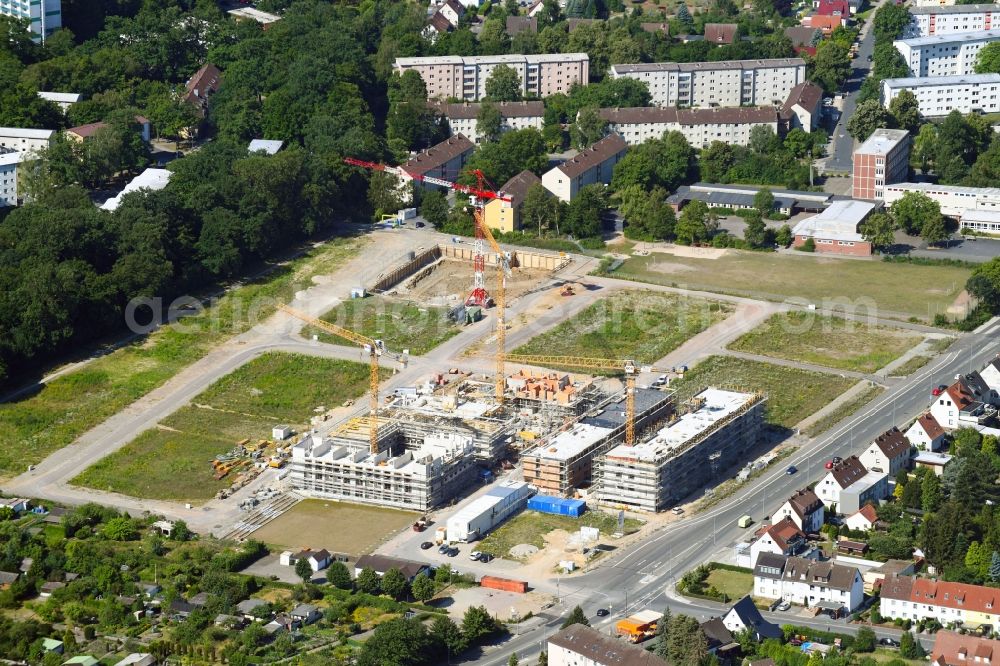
[[684, 19], [503, 85], [692, 226], [988, 59], [588, 129], [540, 209], [762, 140], [933, 231], [303, 569], [584, 214], [513, 660], [977, 559], [864, 640], [338, 576], [686, 643], [912, 210], [119, 529], [755, 232], [763, 201], [384, 193], [434, 207], [783, 236], [648, 217], [984, 283], [446, 633], [489, 122], [994, 572], [831, 66], [422, 588], [394, 583], [399, 643], [930, 493], [477, 623], [905, 111], [368, 581], [889, 21], [878, 230], [543, 659], [576, 616], [909, 648], [868, 117]]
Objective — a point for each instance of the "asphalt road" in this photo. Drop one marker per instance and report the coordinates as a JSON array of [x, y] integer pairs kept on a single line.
[[646, 573], [842, 144]]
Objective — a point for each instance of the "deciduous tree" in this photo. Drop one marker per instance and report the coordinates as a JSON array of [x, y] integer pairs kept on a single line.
[[868, 117], [503, 84], [878, 230]]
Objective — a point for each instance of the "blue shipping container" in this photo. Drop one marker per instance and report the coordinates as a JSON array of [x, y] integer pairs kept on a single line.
[[557, 505]]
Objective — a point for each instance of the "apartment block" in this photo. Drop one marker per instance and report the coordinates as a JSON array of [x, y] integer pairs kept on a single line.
[[506, 215], [933, 3], [9, 191], [579, 645], [25, 140], [954, 200], [824, 585], [944, 55], [711, 84], [465, 77], [462, 118], [43, 16], [417, 480], [701, 127], [444, 160], [717, 430], [915, 599], [945, 20], [940, 95], [883, 159], [593, 165]]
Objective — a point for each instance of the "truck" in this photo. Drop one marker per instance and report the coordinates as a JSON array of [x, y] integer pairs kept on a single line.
[[745, 521], [639, 626]]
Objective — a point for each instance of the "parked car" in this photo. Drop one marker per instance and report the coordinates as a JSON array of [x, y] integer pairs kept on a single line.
[[677, 510], [828, 101], [444, 548], [829, 464], [425, 545], [888, 642], [485, 557], [602, 612], [452, 552], [938, 390], [791, 470], [783, 606], [475, 555], [836, 459], [420, 225]]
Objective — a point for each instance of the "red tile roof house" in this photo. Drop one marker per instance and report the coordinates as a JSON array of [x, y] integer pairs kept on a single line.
[[83, 132], [782, 538], [721, 33], [804, 509], [833, 8], [826, 24], [863, 520], [911, 598], [926, 433], [444, 160], [954, 649], [890, 452], [201, 86], [963, 403]]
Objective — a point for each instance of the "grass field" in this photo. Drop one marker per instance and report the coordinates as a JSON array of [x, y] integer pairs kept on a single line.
[[34, 426], [531, 526], [843, 411], [911, 365], [834, 342], [402, 325], [895, 290], [171, 461], [339, 527], [639, 324], [793, 394], [734, 584]]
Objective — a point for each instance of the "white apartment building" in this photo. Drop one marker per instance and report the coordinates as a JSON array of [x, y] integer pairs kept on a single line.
[[462, 118], [593, 165], [44, 16], [933, 3], [944, 55], [25, 140], [804, 509], [813, 584], [711, 84], [890, 452], [949, 19], [841, 475], [912, 598], [940, 95], [701, 127], [954, 200], [465, 77], [8, 178]]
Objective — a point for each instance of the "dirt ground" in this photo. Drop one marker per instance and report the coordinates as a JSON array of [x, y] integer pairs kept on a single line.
[[500, 604], [337, 526], [448, 282]]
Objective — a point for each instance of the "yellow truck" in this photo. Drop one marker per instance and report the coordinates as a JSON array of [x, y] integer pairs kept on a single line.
[[745, 521]]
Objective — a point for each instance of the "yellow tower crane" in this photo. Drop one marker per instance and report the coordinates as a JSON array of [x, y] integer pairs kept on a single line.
[[630, 367], [374, 348]]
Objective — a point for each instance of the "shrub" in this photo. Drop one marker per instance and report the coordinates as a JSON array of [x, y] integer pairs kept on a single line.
[[808, 246]]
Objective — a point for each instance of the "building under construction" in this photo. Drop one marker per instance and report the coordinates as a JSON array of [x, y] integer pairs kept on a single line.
[[564, 460], [716, 429], [418, 480]]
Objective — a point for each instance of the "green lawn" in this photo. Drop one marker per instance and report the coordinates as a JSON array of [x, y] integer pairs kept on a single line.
[[171, 461], [639, 324], [532, 526], [831, 341], [792, 394], [35, 426], [913, 364], [895, 290], [401, 324], [843, 411], [734, 584]]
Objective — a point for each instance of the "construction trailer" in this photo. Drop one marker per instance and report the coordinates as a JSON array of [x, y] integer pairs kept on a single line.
[[475, 520], [718, 429], [639, 626], [564, 461]]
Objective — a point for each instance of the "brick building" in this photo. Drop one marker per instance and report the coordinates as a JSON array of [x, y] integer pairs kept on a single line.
[[883, 159]]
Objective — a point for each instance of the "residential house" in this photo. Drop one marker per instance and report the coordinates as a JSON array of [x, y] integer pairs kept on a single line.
[[963, 403], [825, 24], [721, 33], [719, 640], [954, 649], [26, 564], [305, 613], [935, 461], [874, 577], [506, 215], [914, 599], [840, 476], [580, 645], [318, 559], [452, 11], [839, 8], [804, 509], [804, 107], [49, 587], [869, 489], [382, 563], [138, 659], [890, 452], [592, 165], [247, 607], [281, 623], [82, 133], [573, 23], [8, 578], [25, 140], [824, 585], [181, 609], [837, 229], [660, 28], [437, 25], [926, 433], [804, 38], [519, 24], [201, 86], [745, 616], [229, 621], [782, 538], [81, 660], [150, 589], [444, 160], [862, 520], [850, 547], [463, 117]]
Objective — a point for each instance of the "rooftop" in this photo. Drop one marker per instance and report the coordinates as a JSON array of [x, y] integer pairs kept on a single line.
[[470, 110], [953, 9], [571, 443], [950, 38], [60, 97], [255, 14], [491, 59], [594, 155], [971, 215], [267, 145], [672, 438], [720, 33], [955, 80], [705, 66], [15, 157], [439, 155], [954, 649], [735, 115], [933, 188], [882, 141], [865, 482], [517, 187], [382, 563], [25, 133], [150, 179], [932, 458], [839, 221], [595, 646]]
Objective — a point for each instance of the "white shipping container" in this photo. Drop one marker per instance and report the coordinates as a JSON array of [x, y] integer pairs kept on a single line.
[[479, 517]]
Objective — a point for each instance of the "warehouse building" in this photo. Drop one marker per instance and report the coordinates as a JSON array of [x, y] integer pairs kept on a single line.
[[565, 461], [718, 429], [938, 20], [944, 55], [741, 197], [940, 95], [480, 516], [417, 480]]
